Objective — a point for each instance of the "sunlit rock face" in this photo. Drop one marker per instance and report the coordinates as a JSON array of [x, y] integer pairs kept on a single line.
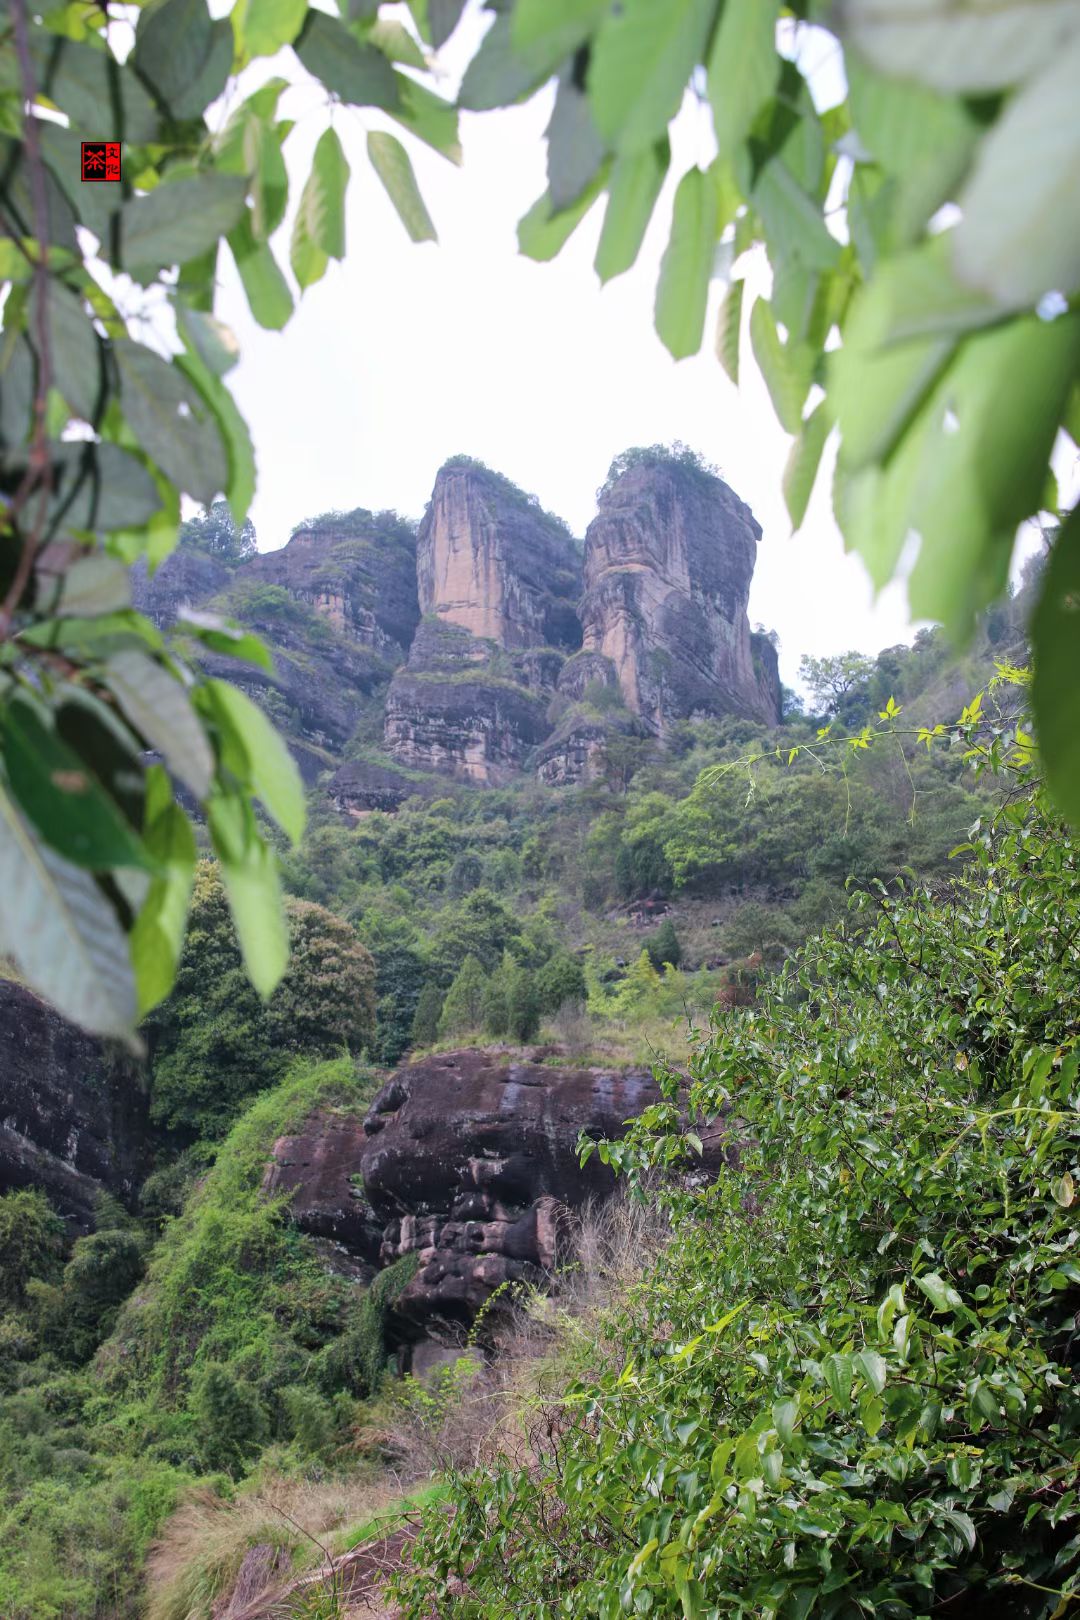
[[490, 560], [668, 564]]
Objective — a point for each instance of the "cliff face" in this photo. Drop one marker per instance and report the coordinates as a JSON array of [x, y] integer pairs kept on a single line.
[[668, 563], [357, 570], [490, 560], [73, 1115], [486, 643], [465, 707]]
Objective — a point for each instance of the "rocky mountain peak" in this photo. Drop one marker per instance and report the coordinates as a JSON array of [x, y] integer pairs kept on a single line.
[[668, 562], [490, 559]]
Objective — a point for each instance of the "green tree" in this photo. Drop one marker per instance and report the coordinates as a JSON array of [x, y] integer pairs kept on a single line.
[[831, 680], [463, 1009], [31, 1242], [561, 979], [664, 946], [425, 1024], [522, 1005], [215, 1043], [217, 533]]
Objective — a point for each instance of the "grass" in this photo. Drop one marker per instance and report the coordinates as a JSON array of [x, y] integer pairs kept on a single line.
[[378, 1524]]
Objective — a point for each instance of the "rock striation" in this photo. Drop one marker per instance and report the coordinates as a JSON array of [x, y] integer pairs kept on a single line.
[[668, 564], [468, 1161], [73, 1112]]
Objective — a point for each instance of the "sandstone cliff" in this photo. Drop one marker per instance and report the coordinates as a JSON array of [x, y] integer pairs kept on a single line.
[[668, 563], [73, 1113], [489, 559]]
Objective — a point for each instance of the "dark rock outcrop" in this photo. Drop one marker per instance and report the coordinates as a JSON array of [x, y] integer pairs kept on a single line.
[[668, 563], [467, 1160], [187, 578], [73, 1114], [359, 787]]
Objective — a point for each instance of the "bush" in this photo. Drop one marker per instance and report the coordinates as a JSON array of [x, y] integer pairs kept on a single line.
[[31, 1242], [664, 946], [561, 979]]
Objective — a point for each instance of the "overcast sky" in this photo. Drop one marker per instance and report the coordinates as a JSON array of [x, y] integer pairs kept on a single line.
[[404, 355]]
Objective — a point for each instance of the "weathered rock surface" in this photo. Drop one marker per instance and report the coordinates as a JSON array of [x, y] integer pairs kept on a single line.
[[467, 1160], [491, 560], [463, 706], [359, 787], [187, 578], [358, 572], [668, 563], [73, 1114]]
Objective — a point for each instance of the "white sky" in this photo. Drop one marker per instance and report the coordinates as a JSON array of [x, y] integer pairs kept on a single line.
[[405, 354]]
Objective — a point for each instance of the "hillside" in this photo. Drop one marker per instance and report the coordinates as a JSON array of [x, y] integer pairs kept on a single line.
[[559, 807]]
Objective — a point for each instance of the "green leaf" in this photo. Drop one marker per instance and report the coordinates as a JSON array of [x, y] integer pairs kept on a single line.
[[557, 26], [226, 637], [93, 584], [309, 262], [82, 79], [794, 224], [392, 37], [252, 882], [262, 27], [185, 56], [965, 45], [63, 933], [786, 368], [179, 220], [157, 936], [839, 1371], [641, 60], [428, 117], [391, 163], [501, 72], [172, 421], [574, 148], [75, 351], [264, 162], [871, 1367], [1019, 232], [728, 325], [1005, 391], [267, 291], [159, 709], [443, 18], [682, 291], [744, 69], [239, 484], [941, 1294], [871, 1414], [542, 232], [271, 770], [785, 1415], [1055, 690], [358, 74], [323, 201], [96, 487], [213, 342], [803, 461], [59, 793], [633, 188]]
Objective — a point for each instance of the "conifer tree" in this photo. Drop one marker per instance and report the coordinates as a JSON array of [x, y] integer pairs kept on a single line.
[[522, 1005], [464, 1005], [425, 1024]]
